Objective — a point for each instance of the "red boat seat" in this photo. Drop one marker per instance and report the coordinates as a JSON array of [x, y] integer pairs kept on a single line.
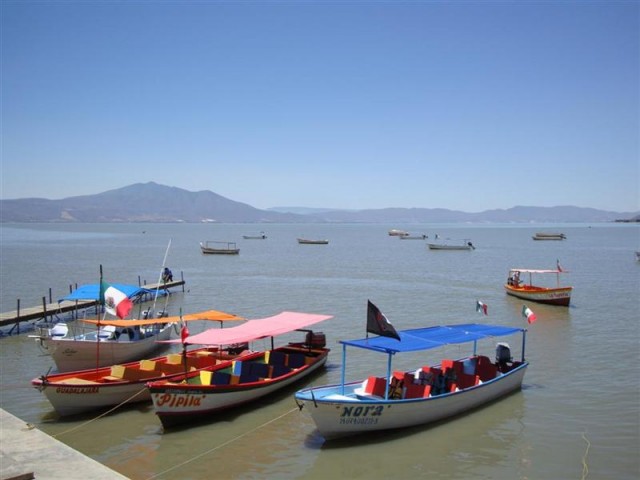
[[486, 371], [457, 366], [376, 386], [417, 391], [465, 381]]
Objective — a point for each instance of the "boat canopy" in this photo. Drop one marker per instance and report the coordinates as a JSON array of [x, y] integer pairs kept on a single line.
[[432, 337], [212, 315], [92, 292], [279, 324]]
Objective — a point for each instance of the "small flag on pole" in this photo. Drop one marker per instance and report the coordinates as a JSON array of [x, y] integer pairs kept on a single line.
[[528, 314], [184, 332], [481, 307], [378, 324], [558, 266]]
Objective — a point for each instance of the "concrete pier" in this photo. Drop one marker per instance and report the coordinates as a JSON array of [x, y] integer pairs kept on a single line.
[[27, 452]]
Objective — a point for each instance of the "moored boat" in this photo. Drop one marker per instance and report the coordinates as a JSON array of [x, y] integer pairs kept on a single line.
[[448, 245], [80, 391], [394, 232], [526, 290], [427, 394], [245, 380], [308, 241], [262, 236], [413, 237], [549, 236], [219, 248]]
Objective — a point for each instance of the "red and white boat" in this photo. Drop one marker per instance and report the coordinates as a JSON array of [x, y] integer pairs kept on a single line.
[[80, 391], [526, 290], [246, 379]]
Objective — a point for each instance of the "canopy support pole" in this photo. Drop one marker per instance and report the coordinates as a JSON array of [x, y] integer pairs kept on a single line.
[[344, 366]]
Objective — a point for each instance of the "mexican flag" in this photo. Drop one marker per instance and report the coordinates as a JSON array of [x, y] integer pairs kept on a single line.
[[115, 302], [528, 314], [481, 307]]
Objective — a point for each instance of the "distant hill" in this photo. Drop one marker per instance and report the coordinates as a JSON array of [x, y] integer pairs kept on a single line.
[[150, 202], [141, 202]]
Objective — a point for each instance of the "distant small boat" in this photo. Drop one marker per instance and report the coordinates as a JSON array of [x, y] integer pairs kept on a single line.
[[262, 236], [549, 236], [557, 295], [219, 248], [465, 245], [398, 233], [306, 241]]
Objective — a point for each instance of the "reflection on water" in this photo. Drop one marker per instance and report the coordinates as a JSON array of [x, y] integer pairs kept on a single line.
[[582, 381]]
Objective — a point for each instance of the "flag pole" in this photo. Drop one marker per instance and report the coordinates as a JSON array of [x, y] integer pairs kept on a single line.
[[101, 301], [151, 312]]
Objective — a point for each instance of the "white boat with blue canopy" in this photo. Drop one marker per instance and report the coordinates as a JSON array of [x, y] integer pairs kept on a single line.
[[416, 397]]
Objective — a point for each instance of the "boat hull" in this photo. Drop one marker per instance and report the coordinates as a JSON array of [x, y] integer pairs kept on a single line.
[[550, 296], [434, 246], [303, 241], [71, 354], [177, 404], [339, 412]]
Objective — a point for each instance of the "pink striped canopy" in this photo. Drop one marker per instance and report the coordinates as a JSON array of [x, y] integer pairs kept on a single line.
[[255, 329]]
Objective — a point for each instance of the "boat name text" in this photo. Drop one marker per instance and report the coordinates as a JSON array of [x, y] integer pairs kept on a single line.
[[77, 390], [172, 400], [361, 415]]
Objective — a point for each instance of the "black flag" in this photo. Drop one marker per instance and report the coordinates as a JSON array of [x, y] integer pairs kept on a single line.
[[378, 324]]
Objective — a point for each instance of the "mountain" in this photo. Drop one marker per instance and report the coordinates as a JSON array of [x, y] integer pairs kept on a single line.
[[141, 202], [150, 202]]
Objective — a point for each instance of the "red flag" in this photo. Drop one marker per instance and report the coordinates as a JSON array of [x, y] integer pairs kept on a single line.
[[184, 332]]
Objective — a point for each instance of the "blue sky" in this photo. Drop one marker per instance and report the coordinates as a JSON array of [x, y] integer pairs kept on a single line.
[[341, 104]]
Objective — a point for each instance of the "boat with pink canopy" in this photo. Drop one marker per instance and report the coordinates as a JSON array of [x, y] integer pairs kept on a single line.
[[247, 378]]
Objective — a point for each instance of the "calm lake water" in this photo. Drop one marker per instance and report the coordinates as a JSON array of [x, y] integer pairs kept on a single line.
[[578, 415]]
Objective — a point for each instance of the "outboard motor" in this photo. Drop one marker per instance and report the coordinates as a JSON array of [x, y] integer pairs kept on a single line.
[[503, 355], [315, 340]]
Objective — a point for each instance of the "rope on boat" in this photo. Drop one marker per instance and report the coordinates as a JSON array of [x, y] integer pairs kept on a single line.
[[99, 416], [200, 455], [585, 469]]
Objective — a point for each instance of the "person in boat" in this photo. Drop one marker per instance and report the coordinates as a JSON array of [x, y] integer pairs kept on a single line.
[[167, 275], [514, 279]]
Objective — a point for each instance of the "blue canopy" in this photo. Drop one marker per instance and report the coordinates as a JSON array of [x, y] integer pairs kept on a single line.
[[432, 337], [92, 292]]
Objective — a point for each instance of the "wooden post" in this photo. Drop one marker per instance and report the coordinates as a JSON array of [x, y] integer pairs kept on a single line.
[[50, 297], [44, 308]]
